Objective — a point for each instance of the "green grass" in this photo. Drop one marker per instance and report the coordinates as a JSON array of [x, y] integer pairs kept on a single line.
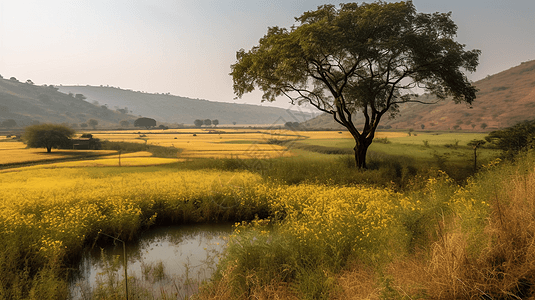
[[405, 192]]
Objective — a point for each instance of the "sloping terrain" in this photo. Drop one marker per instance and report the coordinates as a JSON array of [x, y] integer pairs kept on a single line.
[[27, 103], [503, 100], [175, 109]]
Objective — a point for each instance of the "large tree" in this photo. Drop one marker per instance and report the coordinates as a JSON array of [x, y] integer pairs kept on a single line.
[[359, 59], [47, 136]]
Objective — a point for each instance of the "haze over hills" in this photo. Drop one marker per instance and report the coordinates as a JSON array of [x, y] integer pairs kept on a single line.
[[181, 110], [503, 100], [27, 103]]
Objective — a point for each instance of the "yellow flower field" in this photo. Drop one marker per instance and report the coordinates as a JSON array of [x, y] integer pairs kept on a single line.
[[16, 152], [210, 143]]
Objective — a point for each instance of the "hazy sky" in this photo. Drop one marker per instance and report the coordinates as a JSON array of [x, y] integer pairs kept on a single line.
[[186, 47]]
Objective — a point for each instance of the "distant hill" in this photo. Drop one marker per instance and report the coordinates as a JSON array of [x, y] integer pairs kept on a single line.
[[503, 100], [171, 109], [27, 103]]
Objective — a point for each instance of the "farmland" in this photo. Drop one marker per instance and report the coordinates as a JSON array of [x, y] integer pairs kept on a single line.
[[308, 224]]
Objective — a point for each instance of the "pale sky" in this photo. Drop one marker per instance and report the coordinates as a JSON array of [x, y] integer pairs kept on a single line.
[[186, 47]]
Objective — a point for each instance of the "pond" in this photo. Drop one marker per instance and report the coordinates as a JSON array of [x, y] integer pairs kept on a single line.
[[165, 261]]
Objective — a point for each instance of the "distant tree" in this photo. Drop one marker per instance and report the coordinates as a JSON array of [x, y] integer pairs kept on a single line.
[[83, 125], [207, 122], [145, 122], [233, 123], [29, 81], [457, 127], [14, 79], [198, 123], [513, 139], [163, 127], [359, 59], [483, 125], [122, 110], [215, 122], [93, 123], [125, 123], [473, 125], [9, 123], [47, 136], [1, 77], [423, 126], [80, 97], [410, 131], [71, 94], [291, 125]]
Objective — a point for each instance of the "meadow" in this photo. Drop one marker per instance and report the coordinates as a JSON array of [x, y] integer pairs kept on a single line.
[[308, 224]]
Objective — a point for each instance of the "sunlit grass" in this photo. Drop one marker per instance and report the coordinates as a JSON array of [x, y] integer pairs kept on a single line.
[[23, 155]]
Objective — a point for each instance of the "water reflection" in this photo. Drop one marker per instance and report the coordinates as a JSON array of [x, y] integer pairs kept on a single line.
[[171, 260]]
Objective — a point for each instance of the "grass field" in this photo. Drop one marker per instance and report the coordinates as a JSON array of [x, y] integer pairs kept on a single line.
[[309, 224]]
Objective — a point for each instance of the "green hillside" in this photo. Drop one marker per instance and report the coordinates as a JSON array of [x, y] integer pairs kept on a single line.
[[27, 103], [181, 110]]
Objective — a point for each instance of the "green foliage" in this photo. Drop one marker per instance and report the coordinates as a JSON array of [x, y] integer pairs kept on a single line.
[[513, 139], [47, 136], [145, 122], [157, 151], [332, 58], [93, 123], [198, 123]]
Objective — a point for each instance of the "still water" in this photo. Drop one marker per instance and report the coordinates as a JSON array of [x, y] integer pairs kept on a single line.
[[166, 260]]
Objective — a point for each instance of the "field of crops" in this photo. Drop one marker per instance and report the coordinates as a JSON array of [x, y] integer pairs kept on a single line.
[[305, 220]]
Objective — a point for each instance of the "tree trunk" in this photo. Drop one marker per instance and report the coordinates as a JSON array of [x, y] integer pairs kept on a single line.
[[48, 149], [361, 148]]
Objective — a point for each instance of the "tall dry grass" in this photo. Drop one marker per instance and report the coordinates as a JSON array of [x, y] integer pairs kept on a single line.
[[502, 266]]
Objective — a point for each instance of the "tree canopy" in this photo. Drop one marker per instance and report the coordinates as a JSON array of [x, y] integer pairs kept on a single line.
[[513, 139], [145, 122], [47, 136], [359, 58]]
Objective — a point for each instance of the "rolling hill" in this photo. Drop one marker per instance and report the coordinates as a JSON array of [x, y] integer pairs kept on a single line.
[[181, 110], [503, 100], [27, 103]]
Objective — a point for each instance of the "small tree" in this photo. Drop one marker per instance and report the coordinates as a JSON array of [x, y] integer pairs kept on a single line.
[[9, 123], [83, 125], [145, 122], [125, 123], [93, 123], [47, 136], [476, 144], [207, 122], [215, 122], [80, 97], [483, 125], [198, 123]]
